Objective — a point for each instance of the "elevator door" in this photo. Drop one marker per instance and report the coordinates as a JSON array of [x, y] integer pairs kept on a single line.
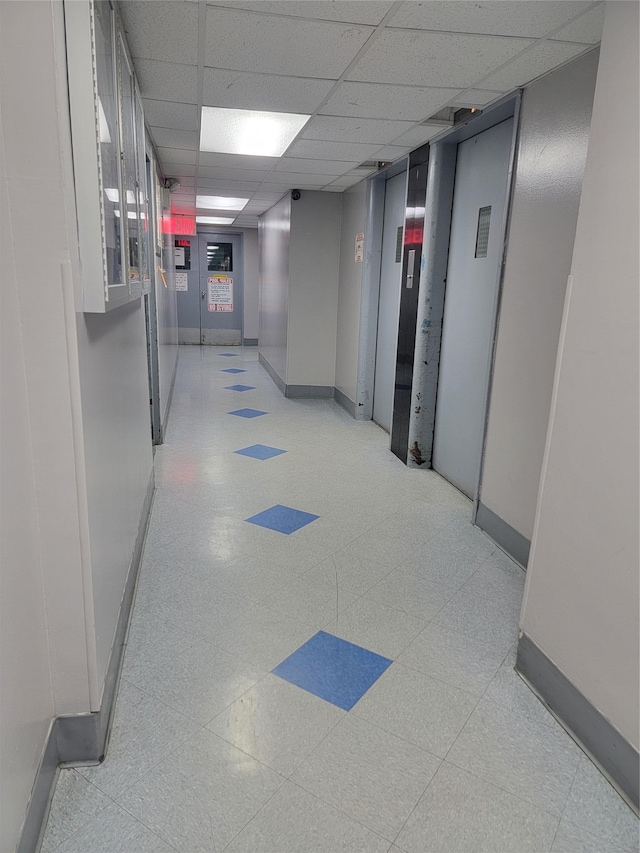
[[389, 300], [475, 255]]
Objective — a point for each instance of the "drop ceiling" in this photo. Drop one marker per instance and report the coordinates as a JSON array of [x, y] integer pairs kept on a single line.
[[369, 72]]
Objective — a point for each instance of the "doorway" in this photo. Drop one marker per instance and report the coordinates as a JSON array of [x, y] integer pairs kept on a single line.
[[389, 299], [209, 285], [472, 284]]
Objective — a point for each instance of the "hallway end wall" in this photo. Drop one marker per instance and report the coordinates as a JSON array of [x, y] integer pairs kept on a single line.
[[582, 597], [554, 134], [350, 294]]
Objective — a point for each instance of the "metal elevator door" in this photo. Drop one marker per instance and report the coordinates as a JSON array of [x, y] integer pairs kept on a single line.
[[473, 276], [389, 299]]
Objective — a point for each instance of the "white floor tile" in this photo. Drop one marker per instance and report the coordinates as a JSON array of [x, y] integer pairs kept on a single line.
[[75, 802], [572, 839], [294, 821], [277, 723], [367, 773], [411, 594], [114, 831], [373, 626], [461, 813], [427, 713]]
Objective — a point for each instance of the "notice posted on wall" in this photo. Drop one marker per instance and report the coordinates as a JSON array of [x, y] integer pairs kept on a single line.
[[220, 293], [359, 248], [182, 281], [179, 256]]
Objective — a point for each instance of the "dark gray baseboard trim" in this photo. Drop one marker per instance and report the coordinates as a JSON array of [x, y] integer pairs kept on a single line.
[[322, 392], [250, 342], [76, 739], [272, 373], [503, 534], [167, 408], [346, 402], [615, 756]]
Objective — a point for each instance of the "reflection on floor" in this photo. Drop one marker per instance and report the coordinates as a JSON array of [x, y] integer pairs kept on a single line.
[[226, 737]]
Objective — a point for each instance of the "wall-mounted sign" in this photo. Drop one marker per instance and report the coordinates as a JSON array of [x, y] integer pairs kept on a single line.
[[179, 256], [359, 248], [220, 293], [179, 225], [182, 281]]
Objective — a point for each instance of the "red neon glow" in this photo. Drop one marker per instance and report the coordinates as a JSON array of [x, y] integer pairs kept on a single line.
[[179, 225], [184, 243], [413, 236]]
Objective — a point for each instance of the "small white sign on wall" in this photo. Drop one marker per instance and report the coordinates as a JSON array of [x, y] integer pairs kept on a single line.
[[220, 292], [359, 248], [182, 281], [179, 256]]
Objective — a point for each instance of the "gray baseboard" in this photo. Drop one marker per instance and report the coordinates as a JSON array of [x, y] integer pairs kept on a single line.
[[81, 739], [503, 534], [167, 408], [615, 756], [272, 373], [322, 392], [346, 402], [250, 342]]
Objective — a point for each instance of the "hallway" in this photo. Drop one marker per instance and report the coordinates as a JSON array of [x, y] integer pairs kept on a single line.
[[432, 743]]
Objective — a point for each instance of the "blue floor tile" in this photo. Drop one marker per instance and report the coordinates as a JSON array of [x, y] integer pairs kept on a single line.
[[232, 370], [284, 519], [260, 451], [230, 354], [240, 387], [247, 413], [333, 669]]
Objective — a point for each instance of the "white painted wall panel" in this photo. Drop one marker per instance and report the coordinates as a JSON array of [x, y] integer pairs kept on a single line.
[[554, 134], [274, 229], [314, 255], [581, 599], [349, 291]]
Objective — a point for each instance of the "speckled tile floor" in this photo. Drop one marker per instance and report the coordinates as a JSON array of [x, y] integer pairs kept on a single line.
[[444, 748]]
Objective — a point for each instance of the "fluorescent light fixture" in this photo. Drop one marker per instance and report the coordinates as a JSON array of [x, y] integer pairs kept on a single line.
[[249, 131], [219, 202], [114, 196], [103, 125], [215, 220]]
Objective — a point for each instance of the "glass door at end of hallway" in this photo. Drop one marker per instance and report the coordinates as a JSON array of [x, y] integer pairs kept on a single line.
[[209, 286]]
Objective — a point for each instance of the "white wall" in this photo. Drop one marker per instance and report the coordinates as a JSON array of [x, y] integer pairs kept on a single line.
[[350, 291], [251, 298], [274, 229], [554, 134], [314, 254], [581, 599], [167, 319]]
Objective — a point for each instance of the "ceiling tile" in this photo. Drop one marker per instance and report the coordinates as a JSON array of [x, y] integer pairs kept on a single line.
[[476, 98], [299, 179], [332, 188], [176, 170], [587, 29], [325, 150], [347, 181], [205, 184], [170, 114], [275, 93], [177, 155], [237, 161], [405, 103], [167, 81], [434, 59], [540, 59], [344, 129], [168, 137], [346, 11], [161, 28], [417, 136], [187, 182], [277, 188], [392, 152], [248, 41], [319, 167], [533, 18], [182, 205], [232, 174], [264, 197]]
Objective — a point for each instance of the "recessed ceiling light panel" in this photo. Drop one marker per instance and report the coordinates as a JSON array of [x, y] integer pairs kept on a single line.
[[215, 220], [219, 202], [250, 132]]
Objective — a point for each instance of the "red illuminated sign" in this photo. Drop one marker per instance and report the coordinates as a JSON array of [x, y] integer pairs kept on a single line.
[[184, 243], [413, 236], [179, 225]]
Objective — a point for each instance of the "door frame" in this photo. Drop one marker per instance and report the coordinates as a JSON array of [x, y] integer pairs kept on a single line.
[[211, 230], [150, 305], [369, 302], [432, 289]]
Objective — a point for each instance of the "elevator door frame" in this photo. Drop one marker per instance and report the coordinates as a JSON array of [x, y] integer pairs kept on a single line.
[[432, 293]]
